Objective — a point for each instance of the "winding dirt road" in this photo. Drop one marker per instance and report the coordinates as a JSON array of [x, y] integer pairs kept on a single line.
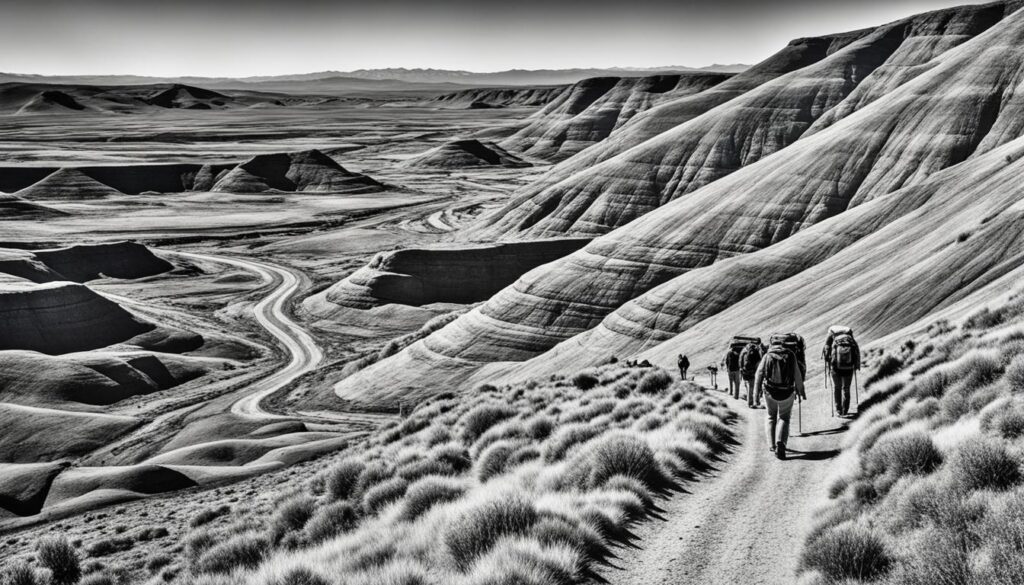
[[745, 523], [303, 352]]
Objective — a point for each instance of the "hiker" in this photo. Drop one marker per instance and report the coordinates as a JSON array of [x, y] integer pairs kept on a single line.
[[842, 357], [684, 364], [731, 364], [750, 358], [781, 380], [713, 375]]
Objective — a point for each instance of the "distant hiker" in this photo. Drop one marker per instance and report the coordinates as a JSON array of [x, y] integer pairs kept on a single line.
[[713, 375], [750, 358], [684, 364], [780, 378], [731, 363], [842, 358]]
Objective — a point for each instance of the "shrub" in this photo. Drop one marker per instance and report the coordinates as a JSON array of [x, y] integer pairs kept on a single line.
[[478, 528], [300, 576], [521, 561], [197, 543], [109, 546], [566, 438], [97, 579], [492, 462], [158, 561], [342, 478], [19, 574], [454, 456], [331, 520], [654, 382], [150, 533], [847, 551], [903, 455], [540, 427], [291, 517], [584, 380], [373, 474], [242, 551], [632, 485], [384, 493], [417, 469], [625, 455], [1015, 375], [208, 515], [556, 530], [1008, 421], [57, 554], [887, 366], [429, 492], [483, 417], [980, 463]]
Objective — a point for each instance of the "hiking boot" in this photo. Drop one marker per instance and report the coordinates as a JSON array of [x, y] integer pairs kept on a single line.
[[771, 448], [780, 450]]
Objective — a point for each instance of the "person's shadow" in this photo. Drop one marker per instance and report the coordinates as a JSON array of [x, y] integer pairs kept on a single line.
[[793, 454]]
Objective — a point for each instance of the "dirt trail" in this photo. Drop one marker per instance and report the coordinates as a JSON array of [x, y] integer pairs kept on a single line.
[[745, 523]]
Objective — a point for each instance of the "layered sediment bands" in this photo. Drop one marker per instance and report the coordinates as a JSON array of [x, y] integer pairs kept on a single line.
[[92, 378], [585, 198], [937, 120], [452, 274], [117, 260], [24, 264], [309, 170], [137, 479], [45, 98], [910, 230], [498, 97], [62, 317], [71, 184], [79, 432], [460, 154], [23, 487], [588, 111]]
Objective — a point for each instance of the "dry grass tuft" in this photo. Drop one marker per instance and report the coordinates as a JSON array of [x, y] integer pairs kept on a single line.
[[56, 554]]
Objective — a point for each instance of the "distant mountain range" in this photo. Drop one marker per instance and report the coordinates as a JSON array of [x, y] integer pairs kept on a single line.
[[392, 78]]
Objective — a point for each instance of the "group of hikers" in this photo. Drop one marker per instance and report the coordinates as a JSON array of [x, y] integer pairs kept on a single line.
[[776, 373]]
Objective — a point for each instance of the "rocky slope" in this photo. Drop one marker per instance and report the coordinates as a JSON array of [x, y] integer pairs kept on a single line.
[[308, 171], [38, 98], [459, 154], [588, 111], [684, 145], [449, 274], [61, 317], [83, 263], [961, 107], [500, 97]]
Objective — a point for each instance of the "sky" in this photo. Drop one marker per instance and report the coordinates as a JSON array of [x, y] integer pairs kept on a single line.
[[241, 38]]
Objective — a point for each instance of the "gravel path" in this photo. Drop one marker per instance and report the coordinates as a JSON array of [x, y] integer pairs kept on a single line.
[[744, 524]]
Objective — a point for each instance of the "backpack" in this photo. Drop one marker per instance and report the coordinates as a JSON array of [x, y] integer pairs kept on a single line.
[[732, 359], [844, 352], [750, 358], [795, 343], [778, 372]]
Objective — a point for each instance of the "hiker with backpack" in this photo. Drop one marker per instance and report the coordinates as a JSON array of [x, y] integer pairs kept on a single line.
[[750, 358], [781, 379], [842, 358], [684, 364], [731, 363]]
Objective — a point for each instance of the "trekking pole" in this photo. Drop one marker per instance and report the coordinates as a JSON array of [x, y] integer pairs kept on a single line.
[[856, 389], [800, 415], [831, 399]]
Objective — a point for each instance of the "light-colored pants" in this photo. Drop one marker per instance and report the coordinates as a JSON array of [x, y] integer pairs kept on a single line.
[[751, 398], [777, 423], [841, 382], [734, 384]]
